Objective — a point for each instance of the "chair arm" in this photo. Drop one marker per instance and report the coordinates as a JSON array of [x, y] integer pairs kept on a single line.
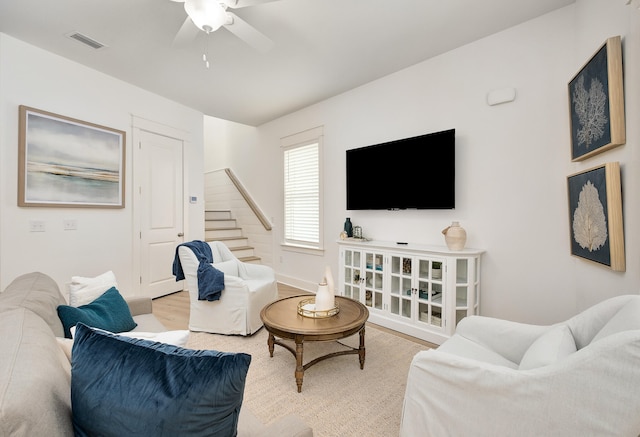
[[255, 271], [591, 392], [235, 284], [139, 305], [509, 339]]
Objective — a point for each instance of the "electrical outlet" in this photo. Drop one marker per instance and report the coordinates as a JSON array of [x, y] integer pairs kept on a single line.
[[36, 226], [70, 225]]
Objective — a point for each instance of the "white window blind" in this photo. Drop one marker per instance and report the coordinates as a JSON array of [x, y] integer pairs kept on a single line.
[[302, 195]]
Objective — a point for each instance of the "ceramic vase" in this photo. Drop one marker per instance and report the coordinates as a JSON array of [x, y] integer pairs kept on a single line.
[[455, 236], [348, 227], [325, 299]]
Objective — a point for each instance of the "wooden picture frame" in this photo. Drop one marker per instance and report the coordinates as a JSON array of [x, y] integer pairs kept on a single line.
[[596, 103], [595, 216], [65, 162]]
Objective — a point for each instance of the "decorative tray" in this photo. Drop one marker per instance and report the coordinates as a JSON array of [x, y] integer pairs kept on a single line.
[[307, 308]]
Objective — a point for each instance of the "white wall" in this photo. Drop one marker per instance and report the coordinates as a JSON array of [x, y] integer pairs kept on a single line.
[[104, 238], [512, 160]]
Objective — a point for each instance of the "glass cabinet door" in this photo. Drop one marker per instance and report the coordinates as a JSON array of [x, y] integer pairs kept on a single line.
[[374, 283], [352, 276], [430, 292], [476, 286], [401, 288], [467, 287], [462, 288]]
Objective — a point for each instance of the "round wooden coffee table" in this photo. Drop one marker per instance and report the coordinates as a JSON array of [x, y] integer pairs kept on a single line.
[[281, 319]]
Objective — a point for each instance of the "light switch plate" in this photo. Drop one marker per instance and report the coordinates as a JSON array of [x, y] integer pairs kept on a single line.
[[36, 226]]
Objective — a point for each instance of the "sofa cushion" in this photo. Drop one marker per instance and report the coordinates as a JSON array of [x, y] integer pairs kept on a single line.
[[140, 305], [627, 318], [110, 311], [38, 293], [148, 323], [550, 347], [85, 290], [34, 378], [133, 387]]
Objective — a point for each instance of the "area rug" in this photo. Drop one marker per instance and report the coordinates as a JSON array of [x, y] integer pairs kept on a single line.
[[337, 398]]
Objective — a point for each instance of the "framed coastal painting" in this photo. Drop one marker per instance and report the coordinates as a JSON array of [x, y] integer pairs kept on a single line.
[[65, 162], [595, 216], [596, 103]]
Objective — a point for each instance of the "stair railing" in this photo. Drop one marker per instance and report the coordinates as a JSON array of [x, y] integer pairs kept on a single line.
[[247, 197]]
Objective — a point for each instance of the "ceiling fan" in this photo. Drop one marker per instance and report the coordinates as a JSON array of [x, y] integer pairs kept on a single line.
[[209, 15]]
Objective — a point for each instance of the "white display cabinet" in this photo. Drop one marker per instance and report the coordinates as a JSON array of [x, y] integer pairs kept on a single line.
[[422, 291]]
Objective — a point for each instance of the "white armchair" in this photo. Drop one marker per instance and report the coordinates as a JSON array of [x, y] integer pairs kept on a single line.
[[500, 378], [247, 289]]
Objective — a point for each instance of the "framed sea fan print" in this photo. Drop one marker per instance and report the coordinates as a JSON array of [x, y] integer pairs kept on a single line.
[[595, 216], [596, 103]]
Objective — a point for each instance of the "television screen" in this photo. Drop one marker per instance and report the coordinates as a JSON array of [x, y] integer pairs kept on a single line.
[[411, 173]]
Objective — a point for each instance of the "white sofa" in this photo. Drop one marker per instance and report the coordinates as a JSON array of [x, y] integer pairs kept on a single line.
[[247, 289], [500, 378], [35, 373]]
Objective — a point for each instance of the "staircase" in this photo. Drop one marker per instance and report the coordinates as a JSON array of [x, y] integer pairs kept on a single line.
[[219, 225]]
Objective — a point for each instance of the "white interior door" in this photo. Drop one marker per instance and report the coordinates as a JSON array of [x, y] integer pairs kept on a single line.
[[161, 211]]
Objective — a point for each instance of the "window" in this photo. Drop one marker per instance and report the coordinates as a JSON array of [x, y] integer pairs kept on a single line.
[[302, 189]]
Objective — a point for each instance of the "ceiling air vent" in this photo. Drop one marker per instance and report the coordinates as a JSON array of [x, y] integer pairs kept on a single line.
[[84, 39]]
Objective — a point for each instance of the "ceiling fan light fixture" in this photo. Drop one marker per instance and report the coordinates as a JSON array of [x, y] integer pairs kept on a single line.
[[207, 15]]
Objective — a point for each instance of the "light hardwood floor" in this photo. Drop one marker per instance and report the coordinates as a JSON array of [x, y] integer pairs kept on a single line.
[[173, 311]]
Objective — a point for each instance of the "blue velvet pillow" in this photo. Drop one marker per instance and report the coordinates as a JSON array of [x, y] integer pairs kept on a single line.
[[132, 387], [110, 311]]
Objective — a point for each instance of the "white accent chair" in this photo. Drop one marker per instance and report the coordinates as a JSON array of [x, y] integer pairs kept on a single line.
[[247, 289], [500, 378]]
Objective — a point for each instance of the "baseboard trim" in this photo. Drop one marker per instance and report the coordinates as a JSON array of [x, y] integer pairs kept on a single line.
[[297, 283]]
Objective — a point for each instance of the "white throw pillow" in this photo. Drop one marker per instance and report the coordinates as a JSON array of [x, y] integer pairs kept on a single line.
[[627, 318], [175, 338], [85, 290], [549, 348], [66, 344]]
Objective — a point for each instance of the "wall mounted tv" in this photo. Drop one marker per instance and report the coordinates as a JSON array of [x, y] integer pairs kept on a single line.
[[410, 173]]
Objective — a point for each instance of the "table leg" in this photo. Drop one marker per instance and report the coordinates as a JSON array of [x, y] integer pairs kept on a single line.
[[361, 349], [299, 366], [270, 342]]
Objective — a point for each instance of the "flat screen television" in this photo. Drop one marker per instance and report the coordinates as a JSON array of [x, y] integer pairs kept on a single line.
[[410, 173]]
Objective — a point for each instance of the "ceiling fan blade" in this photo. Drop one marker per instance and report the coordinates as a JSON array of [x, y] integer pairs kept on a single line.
[[187, 33], [248, 33], [235, 4]]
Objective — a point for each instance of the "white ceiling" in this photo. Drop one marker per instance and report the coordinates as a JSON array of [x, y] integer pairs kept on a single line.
[[321, 47]]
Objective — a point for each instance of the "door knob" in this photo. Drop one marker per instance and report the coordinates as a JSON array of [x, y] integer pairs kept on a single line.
[[180, 234]]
